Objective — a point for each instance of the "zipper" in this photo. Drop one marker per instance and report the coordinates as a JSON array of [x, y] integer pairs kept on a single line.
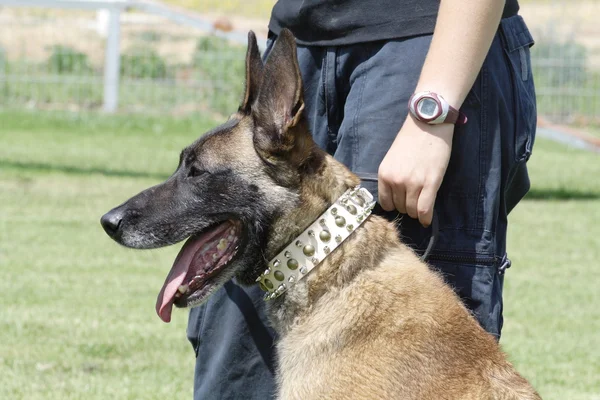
[[503, 262], [466, 259]]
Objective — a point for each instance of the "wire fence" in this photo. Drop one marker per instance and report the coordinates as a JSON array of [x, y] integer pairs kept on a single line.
[[566, 59], [56, 59]]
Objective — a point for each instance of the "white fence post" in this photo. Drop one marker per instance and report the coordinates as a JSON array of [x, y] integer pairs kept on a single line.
[[112, 62]]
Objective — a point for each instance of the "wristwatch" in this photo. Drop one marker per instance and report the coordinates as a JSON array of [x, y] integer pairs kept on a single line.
[[432, 109]]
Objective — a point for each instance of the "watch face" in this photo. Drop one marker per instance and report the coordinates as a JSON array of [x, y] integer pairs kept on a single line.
[[428, 108]]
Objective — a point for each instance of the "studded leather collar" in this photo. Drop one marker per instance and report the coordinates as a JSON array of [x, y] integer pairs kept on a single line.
[[317, 241]]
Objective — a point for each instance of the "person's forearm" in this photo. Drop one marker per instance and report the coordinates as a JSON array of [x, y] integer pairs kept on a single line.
[[463, 34], [413, 168]]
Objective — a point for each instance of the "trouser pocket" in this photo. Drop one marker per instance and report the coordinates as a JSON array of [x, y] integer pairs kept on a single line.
[[479, 284], [517, 41]]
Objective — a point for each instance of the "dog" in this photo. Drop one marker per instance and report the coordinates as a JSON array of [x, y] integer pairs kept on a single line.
[[370, 320]]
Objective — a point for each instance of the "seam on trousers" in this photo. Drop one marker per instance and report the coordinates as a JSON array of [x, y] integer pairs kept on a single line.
[[335, 74], [201, 328], [330, 95], [338, 74], [325, 95], [483, 139], [355, 134]]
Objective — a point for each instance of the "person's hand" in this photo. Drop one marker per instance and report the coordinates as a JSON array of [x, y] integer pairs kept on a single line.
[[413, 168]]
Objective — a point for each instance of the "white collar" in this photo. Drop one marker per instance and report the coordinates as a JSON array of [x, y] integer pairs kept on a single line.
[[317, 241]]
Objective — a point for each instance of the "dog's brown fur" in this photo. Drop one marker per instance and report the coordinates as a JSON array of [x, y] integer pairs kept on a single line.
[[372, 321]]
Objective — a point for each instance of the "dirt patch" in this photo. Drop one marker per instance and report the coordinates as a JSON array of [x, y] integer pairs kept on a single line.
[[31, 33], [31, 36]]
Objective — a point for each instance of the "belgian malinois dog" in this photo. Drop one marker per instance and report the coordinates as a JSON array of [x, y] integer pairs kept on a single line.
[[371, 321]]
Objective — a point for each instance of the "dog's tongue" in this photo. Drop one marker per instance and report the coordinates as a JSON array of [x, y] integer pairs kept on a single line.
[[166, 297], [180, 268]]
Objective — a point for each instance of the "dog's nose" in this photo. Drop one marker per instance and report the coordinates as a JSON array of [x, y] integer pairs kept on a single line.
[[111, 221]]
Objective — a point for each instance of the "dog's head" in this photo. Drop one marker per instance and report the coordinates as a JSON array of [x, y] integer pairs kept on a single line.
[[231, 187]]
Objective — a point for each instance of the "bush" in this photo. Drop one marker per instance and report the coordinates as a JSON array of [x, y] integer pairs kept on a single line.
[[66, 60], [2, 59], [560, 63], [567, 84], [143, 63], [222, 64], [149, 36]]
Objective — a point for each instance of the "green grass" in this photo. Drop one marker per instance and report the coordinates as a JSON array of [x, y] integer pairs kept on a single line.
[[77, 310], [552, 293], [135, 95]]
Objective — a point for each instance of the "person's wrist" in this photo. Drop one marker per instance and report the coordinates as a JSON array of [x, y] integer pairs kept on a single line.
[[444, 131], [452, 96]]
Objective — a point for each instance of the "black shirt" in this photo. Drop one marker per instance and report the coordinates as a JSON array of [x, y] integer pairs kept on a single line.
[[340, 22]]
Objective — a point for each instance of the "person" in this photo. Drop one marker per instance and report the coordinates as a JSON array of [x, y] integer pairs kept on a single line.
[[361, 62]]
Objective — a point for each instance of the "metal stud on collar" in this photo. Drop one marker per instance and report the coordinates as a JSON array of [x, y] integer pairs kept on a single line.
[[313, 245]]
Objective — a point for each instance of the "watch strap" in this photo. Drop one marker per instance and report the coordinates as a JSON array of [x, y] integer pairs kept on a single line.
[[455, 117]]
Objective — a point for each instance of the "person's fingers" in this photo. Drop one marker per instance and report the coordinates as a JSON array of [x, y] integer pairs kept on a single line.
[[412, 197], [425, 204], [385, 196], [399, 196]]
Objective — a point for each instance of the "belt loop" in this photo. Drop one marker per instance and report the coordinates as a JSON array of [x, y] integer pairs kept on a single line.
[[504, 39]]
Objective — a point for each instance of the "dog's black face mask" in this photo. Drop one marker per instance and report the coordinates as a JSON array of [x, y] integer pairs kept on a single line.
[[229, 187]]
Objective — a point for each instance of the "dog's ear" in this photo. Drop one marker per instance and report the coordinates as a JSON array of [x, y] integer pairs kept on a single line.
[[254, 74], [280, 102]]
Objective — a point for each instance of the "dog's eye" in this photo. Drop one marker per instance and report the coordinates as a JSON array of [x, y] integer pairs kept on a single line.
[[194, 171]]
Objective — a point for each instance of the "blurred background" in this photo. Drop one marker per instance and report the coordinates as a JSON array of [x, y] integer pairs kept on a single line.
[[97, 98]]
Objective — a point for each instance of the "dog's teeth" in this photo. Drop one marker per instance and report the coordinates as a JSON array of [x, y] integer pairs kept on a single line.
[[222, 244], [183, 288]]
